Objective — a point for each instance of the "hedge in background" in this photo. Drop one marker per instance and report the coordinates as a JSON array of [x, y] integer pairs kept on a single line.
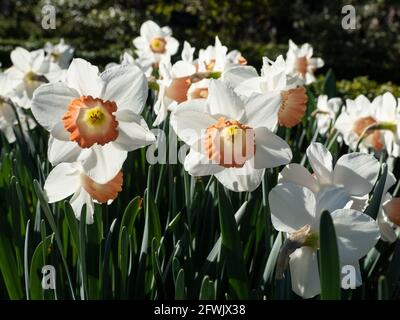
[[101, 29]]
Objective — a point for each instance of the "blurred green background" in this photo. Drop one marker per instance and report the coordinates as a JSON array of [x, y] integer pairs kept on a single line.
[[100, 29]]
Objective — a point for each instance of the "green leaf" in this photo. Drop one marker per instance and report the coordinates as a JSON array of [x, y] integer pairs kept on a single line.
[[207, 290], [157, 270], [271, 262], [231, 248], [130, 214], [329, 259], [330, 85], [8, 268], [82, 253], [180, 291], [72, 224], [176, 266], [383, 293], [124, 258], [35, 278], [49, 216], [393, 273], [375, 204], [26, 259], [106, 261]]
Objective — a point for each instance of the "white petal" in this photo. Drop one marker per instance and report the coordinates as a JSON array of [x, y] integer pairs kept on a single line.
[[127, 86], [357, 233], [62, 151], [249, 86], [357, 172], [304, 273], [133, 134], [321, 162], [241, 179], [271, 150], [140, 43], [182, 69], [292, 207], [167, 31], [50, 102], [40, 63], [62, 181], [150, 30], [21, 59], [80, 198], [386, 227], [104, 162], [297, 174], [172, 45], [223, 101], [84, 78], [316, 63], [59, 132], [261, 110], [197, 164], [236, 75], [190, 120], [330, 199]]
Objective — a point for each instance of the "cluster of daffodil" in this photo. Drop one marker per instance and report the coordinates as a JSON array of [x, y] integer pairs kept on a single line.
[[228, 114]]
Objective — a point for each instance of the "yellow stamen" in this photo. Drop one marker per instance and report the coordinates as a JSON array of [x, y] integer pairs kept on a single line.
[[95, 116]]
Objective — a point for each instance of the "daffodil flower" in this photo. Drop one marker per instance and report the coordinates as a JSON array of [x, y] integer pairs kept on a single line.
[[355, 172], [354, 122], [229, 137], [296, 208], [68, 179], [30, 70], [154, 42], [300, 61], [9, 111], [274, 81], [326, 112], [173, 86], [389, 211], [388, 116], [94, 117], [60, 53], [213, 58], [126, 59]]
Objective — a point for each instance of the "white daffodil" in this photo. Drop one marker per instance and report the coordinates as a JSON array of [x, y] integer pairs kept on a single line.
[[126, 59], [173, 86], [388, 117], [229, 137], [300, 61], [155, 42], [356, 117], [94, 117], [213, 58], [68, 179], [326, 112], [296, 209], [355, 172], [29, 71], [389, 212], [275, 82], [187, 52], [9, 116], [60, 53], [235, 57], [198, 90], [217, 59]]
